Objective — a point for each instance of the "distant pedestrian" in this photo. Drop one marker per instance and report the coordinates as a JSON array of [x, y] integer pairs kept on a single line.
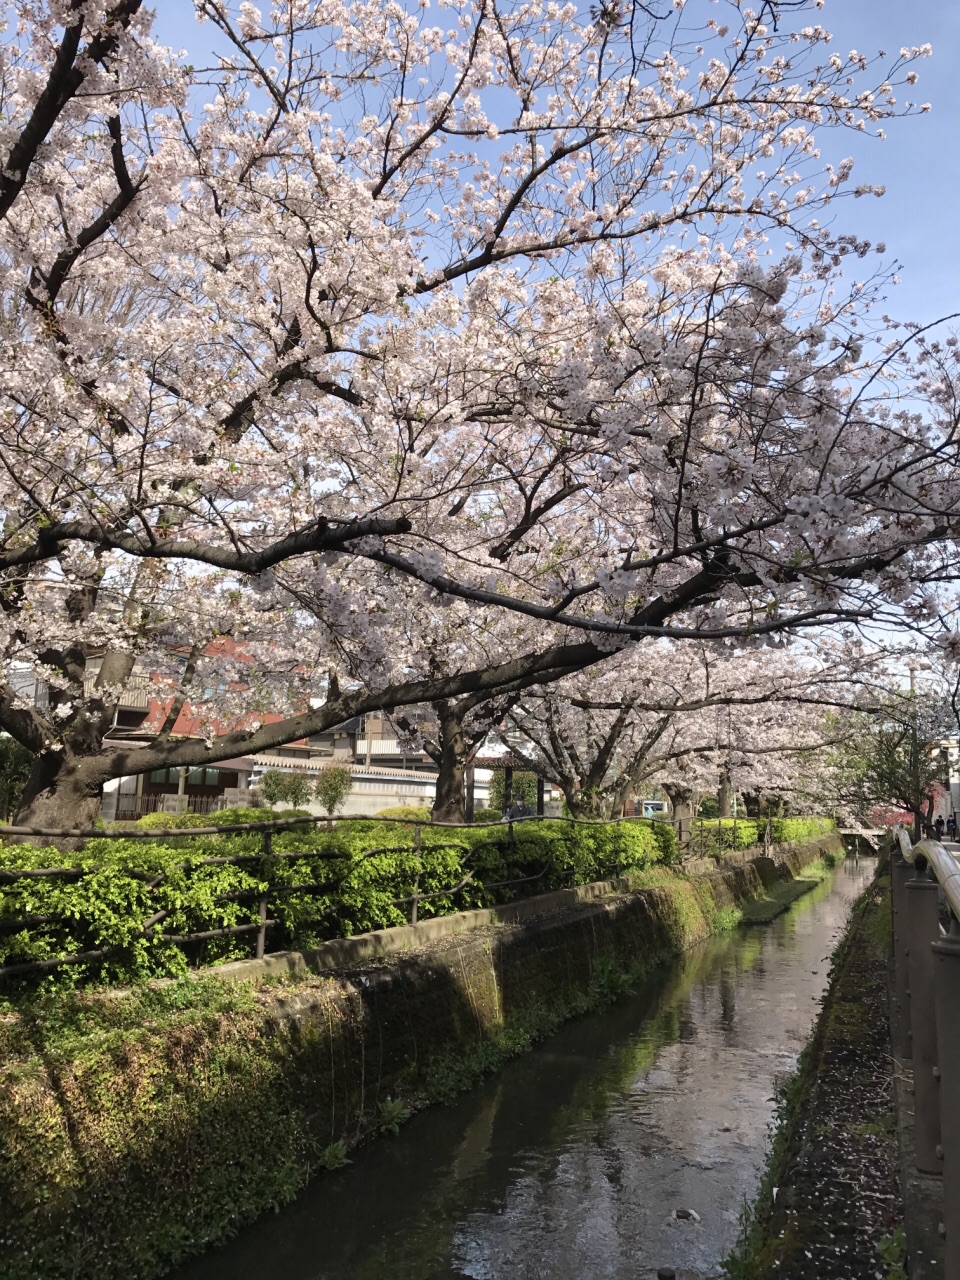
[[938, 826], [952, 826]]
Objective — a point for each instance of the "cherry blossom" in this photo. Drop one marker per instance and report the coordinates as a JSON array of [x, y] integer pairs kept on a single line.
[[379, 311]]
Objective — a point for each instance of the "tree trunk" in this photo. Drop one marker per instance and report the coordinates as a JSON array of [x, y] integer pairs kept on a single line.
[[725, 795], [682, 803], [681, 800], [62, 793], [589, 804], [752, 801], [450, 802]]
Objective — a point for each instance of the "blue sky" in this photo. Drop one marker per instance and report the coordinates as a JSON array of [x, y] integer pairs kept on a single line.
[[920, 160], [919, 163]]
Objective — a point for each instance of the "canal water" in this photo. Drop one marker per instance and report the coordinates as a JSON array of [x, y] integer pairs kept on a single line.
[[571, 1163]]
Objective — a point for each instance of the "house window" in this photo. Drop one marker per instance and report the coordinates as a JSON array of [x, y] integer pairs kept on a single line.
[[198, 777]]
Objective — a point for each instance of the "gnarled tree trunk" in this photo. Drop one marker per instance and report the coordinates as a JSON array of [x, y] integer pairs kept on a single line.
[[589, 804], [62, 793], [681, 800]]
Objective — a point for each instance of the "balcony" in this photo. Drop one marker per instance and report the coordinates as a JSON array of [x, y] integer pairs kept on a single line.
[[379, 746]]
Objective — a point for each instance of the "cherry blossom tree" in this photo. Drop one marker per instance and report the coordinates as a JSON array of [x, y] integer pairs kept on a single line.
[[686, 716], [536, 310]]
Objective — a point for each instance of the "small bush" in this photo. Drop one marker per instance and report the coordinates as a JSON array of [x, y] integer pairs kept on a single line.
[[416, 812], [715, 837], [666, 839], [487, 815], [160, 821], [279, 786]]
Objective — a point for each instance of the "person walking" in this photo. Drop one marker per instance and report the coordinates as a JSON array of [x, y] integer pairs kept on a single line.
[[938, 826], [952, 826]]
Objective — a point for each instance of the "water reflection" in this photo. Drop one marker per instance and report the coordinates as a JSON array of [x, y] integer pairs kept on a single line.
[[570, 1163]]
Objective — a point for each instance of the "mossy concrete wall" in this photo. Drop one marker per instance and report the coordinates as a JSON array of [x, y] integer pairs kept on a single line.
[[129, 1149]]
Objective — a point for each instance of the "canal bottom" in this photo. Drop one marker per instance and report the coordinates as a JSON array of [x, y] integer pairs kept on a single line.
[[571, 1163]]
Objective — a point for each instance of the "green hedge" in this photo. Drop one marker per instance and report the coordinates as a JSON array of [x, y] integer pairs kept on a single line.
[[715, 836], [356, 871], [418, 812], [797, 830]]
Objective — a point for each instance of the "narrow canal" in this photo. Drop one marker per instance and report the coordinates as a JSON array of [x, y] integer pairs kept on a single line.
[[571, 1163]]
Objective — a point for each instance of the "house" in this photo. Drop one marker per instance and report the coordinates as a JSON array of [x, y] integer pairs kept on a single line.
[[386, 773]]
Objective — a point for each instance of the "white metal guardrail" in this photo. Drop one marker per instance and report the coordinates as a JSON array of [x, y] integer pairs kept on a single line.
[[926, 1012]]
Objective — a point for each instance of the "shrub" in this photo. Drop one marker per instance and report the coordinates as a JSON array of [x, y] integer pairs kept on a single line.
[[487, 815], [798, 830], [709, 807], [721, 834], [417, 812], [161, 821], [279, 786], [666, 840], [524, 788], [332, 787], [220, 818]]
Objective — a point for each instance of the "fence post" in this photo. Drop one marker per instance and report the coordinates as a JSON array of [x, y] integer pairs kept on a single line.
[[899, 876], [922, 929], [946, 961], [415, 900], [262, 931]]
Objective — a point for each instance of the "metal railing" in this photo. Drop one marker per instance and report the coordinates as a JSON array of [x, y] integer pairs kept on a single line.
[[708, 838], [130, 806], [925, 880]]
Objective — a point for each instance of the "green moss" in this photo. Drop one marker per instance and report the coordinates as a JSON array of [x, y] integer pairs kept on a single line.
[[781, 895]]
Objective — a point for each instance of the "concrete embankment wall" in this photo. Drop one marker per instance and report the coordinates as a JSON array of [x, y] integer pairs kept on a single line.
[[166, 1131]]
